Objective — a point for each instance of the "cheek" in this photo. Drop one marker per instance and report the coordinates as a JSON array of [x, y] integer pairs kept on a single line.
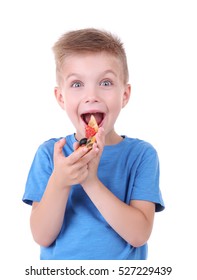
[[115, 103], [114, 111], [70, 107]]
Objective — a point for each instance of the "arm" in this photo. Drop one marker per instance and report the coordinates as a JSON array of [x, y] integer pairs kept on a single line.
[[47, 215], [132, 222]]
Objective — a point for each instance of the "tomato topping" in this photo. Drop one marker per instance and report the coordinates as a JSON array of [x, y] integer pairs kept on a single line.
[[89, 131]]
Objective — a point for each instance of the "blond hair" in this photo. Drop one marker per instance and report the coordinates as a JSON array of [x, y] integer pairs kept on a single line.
[[89, 40]]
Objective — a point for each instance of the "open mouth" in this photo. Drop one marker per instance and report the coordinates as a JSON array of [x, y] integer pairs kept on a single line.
[[98, 116]]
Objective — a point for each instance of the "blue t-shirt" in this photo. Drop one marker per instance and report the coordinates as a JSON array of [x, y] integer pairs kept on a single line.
[[129, 169]]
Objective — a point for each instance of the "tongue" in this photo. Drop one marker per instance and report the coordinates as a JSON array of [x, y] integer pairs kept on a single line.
[[98, 117]]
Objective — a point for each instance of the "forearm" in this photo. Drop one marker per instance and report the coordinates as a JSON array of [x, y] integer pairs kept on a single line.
[[129, 222], [47, 217]]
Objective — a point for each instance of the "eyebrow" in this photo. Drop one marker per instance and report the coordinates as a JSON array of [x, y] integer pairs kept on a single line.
[[70, 75], [109, 71]]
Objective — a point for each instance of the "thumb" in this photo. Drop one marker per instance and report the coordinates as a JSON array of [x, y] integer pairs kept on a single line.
[[58, 147]]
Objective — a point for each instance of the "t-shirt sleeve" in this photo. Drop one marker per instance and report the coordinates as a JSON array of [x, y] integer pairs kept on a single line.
[[146, 184], [39, 173]]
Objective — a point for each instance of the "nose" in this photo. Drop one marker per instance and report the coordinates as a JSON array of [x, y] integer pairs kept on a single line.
[[91, 99], [91, 96]]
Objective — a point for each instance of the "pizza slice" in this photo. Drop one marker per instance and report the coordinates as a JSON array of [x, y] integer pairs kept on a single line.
[[90, 131]]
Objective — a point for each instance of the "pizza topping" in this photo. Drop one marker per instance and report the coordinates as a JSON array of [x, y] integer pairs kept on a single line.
[[83, 141], [90, 142], [90, 130]]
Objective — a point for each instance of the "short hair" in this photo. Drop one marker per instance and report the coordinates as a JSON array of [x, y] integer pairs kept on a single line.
[[89, 40]]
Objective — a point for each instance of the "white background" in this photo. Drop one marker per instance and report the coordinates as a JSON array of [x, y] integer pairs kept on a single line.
[[160, 38]]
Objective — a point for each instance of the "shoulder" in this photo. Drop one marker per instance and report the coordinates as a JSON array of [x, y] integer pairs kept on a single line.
[[131, 151], [47, 147], [140, 151], [138, 146]]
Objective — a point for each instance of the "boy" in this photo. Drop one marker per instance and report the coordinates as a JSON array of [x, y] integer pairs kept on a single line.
[[97, 203]]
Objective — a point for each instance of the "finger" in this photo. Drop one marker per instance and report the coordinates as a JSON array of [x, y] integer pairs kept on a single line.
[[91, 154], [58, 147], [78, 154], [100, 138]]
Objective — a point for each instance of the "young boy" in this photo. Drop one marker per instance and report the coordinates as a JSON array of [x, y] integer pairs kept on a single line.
[[94, 203]]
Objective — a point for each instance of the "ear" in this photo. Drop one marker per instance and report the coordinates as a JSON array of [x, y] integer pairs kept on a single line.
[[59, 96], [126, 95]]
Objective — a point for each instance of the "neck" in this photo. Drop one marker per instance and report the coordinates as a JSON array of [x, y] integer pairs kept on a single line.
[[112, 138]]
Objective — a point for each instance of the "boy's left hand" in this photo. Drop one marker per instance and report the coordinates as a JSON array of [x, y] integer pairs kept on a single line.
[[96, 151], [98, 147]]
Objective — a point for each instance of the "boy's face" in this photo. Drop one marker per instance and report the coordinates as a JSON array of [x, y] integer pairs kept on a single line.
[[92, 84]]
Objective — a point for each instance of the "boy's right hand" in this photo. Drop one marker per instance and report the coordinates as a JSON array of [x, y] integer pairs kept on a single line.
[[70, 170]]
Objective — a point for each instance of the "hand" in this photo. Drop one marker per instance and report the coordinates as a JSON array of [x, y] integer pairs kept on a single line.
[[94, 162], [73, 169]]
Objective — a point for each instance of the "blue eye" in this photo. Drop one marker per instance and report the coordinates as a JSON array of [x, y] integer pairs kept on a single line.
[[76, 84], [106, 83]]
